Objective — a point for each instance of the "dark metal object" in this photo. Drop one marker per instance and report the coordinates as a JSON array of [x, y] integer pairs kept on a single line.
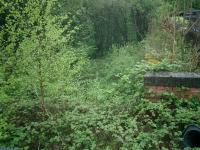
[[169, 79], [191, 15], [190, 137]]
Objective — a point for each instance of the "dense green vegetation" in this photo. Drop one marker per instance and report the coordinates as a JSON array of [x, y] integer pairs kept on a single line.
[[71, 74]]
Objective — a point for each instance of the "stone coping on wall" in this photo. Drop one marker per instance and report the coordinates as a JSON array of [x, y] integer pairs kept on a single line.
[[171, 79]]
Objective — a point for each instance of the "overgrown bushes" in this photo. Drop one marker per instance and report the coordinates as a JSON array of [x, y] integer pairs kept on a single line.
[[114, 115], [52, 96]]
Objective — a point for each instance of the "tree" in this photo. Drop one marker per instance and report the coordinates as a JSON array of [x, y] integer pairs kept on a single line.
[[103, 23], [43, 63]]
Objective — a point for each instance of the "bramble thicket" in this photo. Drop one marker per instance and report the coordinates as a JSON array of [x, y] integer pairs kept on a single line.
[[71, 73]]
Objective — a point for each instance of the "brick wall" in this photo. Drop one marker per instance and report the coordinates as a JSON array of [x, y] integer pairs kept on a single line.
[[182, 85]]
